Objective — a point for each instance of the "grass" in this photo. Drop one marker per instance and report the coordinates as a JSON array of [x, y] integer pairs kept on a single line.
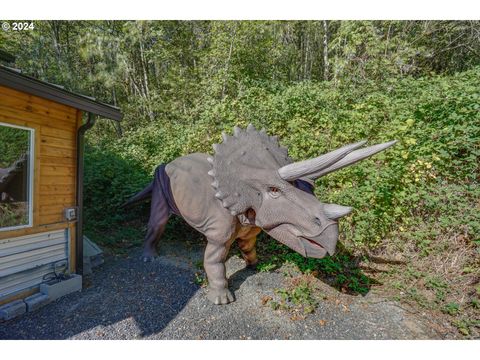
[[340, 271], [443, 281], [119, 240], [441, 278], [13, 214], [299, 298], [200, 279]]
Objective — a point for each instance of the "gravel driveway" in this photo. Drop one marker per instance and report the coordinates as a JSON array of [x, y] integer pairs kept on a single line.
[[128, 299]]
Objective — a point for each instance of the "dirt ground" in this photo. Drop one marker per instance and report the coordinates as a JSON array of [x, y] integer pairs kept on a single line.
[[128, 299]]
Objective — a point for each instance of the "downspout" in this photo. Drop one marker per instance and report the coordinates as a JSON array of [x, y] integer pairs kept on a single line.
[[79, 228]]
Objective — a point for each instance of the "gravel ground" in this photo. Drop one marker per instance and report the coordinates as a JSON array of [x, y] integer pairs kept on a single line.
[[128, 299]]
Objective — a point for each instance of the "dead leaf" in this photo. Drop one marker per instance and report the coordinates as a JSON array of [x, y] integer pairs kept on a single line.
[[322, 322], [266, 299]]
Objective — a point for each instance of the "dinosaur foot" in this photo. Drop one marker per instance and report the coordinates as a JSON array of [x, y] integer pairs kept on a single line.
[[220, 296], [251, 264], [149, 256]]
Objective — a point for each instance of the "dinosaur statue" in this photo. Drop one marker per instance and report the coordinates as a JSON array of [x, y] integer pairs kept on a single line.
[[250, 184]]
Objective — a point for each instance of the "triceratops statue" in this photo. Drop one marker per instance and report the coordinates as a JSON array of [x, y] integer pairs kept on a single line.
[[250, 184]]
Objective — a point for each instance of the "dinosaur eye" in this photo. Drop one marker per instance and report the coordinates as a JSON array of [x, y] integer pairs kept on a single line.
[[273, 191]]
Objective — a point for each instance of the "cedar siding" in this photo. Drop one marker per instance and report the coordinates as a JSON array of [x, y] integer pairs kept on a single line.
[[54, 180]]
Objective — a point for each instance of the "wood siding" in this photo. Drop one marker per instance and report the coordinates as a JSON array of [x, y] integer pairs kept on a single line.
[[54, 186]]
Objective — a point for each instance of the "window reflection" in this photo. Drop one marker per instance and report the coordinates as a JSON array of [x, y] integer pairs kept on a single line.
[[15, 172]]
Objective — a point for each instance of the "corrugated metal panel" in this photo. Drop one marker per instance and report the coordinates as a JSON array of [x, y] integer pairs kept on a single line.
[[26, 260], [25, 280]]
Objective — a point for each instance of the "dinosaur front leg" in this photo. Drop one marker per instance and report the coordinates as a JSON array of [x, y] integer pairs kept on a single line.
[[214, 263]]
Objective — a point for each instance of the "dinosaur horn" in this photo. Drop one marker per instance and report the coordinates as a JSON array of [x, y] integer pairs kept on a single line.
[[352, 158], [308, 167], [334, 211]]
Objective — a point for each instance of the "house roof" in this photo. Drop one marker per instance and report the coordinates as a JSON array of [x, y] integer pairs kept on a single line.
[[14, 79]]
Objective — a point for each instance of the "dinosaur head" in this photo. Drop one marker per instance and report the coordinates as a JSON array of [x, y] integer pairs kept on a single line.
[[254, 178]]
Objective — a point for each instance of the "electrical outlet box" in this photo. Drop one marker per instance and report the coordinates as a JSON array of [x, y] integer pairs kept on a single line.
[[70, 213]]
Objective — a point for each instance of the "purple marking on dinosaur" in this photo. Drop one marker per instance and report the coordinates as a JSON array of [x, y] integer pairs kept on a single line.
[[162, 182]]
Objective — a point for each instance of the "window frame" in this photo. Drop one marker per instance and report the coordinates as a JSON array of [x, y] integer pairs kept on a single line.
[[31, 179]]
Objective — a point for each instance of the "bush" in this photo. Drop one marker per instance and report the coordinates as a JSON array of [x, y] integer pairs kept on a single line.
[[109, 181], [428, 179]]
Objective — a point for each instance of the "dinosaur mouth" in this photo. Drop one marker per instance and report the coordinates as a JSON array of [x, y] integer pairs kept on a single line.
[[313, 242], [312, 248], [315, 246], [322, 244]]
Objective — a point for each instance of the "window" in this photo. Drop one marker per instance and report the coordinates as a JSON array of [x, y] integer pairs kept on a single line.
[[16, 176]]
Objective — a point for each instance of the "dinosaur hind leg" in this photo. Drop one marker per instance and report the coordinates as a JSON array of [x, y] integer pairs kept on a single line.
[[159, 214], [154, 233]]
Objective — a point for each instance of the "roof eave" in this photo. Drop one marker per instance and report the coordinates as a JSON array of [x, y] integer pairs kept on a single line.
[[30, 85]]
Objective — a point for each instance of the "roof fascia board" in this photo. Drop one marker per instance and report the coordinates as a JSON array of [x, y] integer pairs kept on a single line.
[[39, 88]]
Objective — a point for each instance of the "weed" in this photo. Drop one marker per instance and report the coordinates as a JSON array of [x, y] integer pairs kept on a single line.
[[200, 279], [475, 303], [465, 326], [274, 305], [298, 297], [339, 271], [416, 296], [413, 273], [266, 266], [451, 308], [439, 286], [462, 326]]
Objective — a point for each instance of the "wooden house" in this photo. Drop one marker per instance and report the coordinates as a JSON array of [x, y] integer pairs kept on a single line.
[[41, 166]]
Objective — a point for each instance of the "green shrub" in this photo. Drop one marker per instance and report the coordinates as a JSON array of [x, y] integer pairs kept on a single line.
[[425, 185], [109, 181]]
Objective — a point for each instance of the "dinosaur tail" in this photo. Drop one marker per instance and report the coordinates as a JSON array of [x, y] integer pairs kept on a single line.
[[139, 197]]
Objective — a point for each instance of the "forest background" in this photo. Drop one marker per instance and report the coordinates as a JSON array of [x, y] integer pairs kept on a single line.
[[318, 85]]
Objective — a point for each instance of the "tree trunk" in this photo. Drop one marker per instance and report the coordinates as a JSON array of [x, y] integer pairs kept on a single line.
[[227, 65], [325, 51], [118, 127]]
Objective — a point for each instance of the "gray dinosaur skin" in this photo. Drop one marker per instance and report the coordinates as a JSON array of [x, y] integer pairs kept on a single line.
[[253, 189], [205, 213]]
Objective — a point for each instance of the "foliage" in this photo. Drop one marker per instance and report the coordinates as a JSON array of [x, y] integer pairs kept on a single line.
[[299, 297], [426, 181], [108, 181], [159, 70], [13, 214], [340, 271], [318, 85], [14, 143]]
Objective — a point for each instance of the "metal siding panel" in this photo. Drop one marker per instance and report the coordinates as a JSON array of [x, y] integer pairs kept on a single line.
[[30, 240], [24, 261], [24, 280], [32, 262], [25, 256], [29, 247]]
